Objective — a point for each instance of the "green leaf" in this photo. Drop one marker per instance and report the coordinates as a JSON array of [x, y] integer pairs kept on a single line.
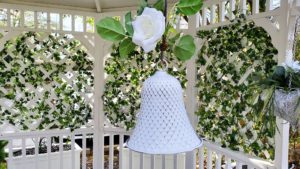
[[126, 47], [173, 40], [185, 48], [128, 24], [159, 5], [110, 29], [189, 7], [143, 4]]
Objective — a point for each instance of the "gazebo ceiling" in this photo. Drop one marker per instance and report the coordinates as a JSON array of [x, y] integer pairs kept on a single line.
[[85, 5]]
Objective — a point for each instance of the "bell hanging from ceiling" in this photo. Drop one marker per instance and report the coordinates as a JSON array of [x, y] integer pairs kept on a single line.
[[163, 126]]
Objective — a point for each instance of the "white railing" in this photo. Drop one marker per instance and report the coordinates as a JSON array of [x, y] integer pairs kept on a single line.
[[24, 149], [216, 13], [115, 154]]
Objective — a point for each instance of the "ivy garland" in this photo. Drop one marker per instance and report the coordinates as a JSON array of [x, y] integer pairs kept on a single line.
[[36, 76], [123, 83], [227, 62]]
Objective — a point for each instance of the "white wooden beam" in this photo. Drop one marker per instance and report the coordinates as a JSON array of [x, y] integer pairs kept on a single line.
[[98, 5]]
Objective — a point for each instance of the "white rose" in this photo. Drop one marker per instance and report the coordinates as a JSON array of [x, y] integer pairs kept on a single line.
[[148, 29]]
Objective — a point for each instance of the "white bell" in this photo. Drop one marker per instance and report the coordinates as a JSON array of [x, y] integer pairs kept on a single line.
[[163, 126]]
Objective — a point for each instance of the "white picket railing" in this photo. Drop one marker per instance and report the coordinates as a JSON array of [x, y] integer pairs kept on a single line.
[[209, 155]]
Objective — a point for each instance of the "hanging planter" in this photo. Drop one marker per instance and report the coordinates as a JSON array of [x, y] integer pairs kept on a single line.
[[286, 105]]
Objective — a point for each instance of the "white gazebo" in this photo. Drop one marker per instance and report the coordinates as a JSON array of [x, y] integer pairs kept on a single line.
[[78, 18]]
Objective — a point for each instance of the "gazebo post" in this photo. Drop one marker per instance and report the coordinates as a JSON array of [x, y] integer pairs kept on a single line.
[[191, 91], [98, 142], [287, 24]]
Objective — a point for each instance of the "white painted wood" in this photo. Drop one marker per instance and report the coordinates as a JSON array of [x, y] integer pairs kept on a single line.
[[222, 11], [141, 160], [36, 152], [209, 159], [49, 151], [231, 8], [239, 165], [243, 6], [121, 138], [111, 151], [98, 153], [98, 5], [61, 156], [23, 148], [175, 161], [213, 14], [228, 162], [255, 7], [84, 159], [201, 157], [130, 159], [152, 162], [204, 16], [269, 4], [218, 160], [163, 161], [73, 150]]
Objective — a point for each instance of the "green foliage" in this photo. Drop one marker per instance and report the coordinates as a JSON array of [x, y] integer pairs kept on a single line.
[[189, 7], [297, 50], [128, 24], [185, 48], [160, 5], [124, 82], [126, 47], [34, 73], [227, 62], [3, 155], [111, 29]]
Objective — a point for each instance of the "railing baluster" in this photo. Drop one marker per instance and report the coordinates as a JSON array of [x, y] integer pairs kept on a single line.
[[213, 14], [218, 161], [232, 8], [49, 151], [83, 151], [73, 149], [22, 18], [152, 162], [222, 11], [111, 151], [121, 138], [204, 17], [175, 161], [209, 159], [61, 150], [36, 152], [201, 158], [228, 163], [255, 7], [163, 161], [239, 165], [10, 153], [23, 147], [243, 4], [130, 159], [269, 5], [141, 160]]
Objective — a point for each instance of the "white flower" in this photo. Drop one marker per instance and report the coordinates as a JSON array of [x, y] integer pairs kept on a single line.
[[148, 29]]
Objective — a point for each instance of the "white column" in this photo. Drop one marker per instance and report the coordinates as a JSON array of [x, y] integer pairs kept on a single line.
[[98, 153], [191, 91], [282, 134]]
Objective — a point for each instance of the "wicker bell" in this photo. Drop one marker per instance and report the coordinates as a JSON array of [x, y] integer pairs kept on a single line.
[[163, 126]]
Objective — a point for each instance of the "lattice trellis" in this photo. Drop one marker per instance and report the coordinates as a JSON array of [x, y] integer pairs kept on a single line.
[[46, 81], [229, 58]]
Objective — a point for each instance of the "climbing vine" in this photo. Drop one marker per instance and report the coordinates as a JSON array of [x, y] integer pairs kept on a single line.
[[124, 82], [43, 82], [227, 62]]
